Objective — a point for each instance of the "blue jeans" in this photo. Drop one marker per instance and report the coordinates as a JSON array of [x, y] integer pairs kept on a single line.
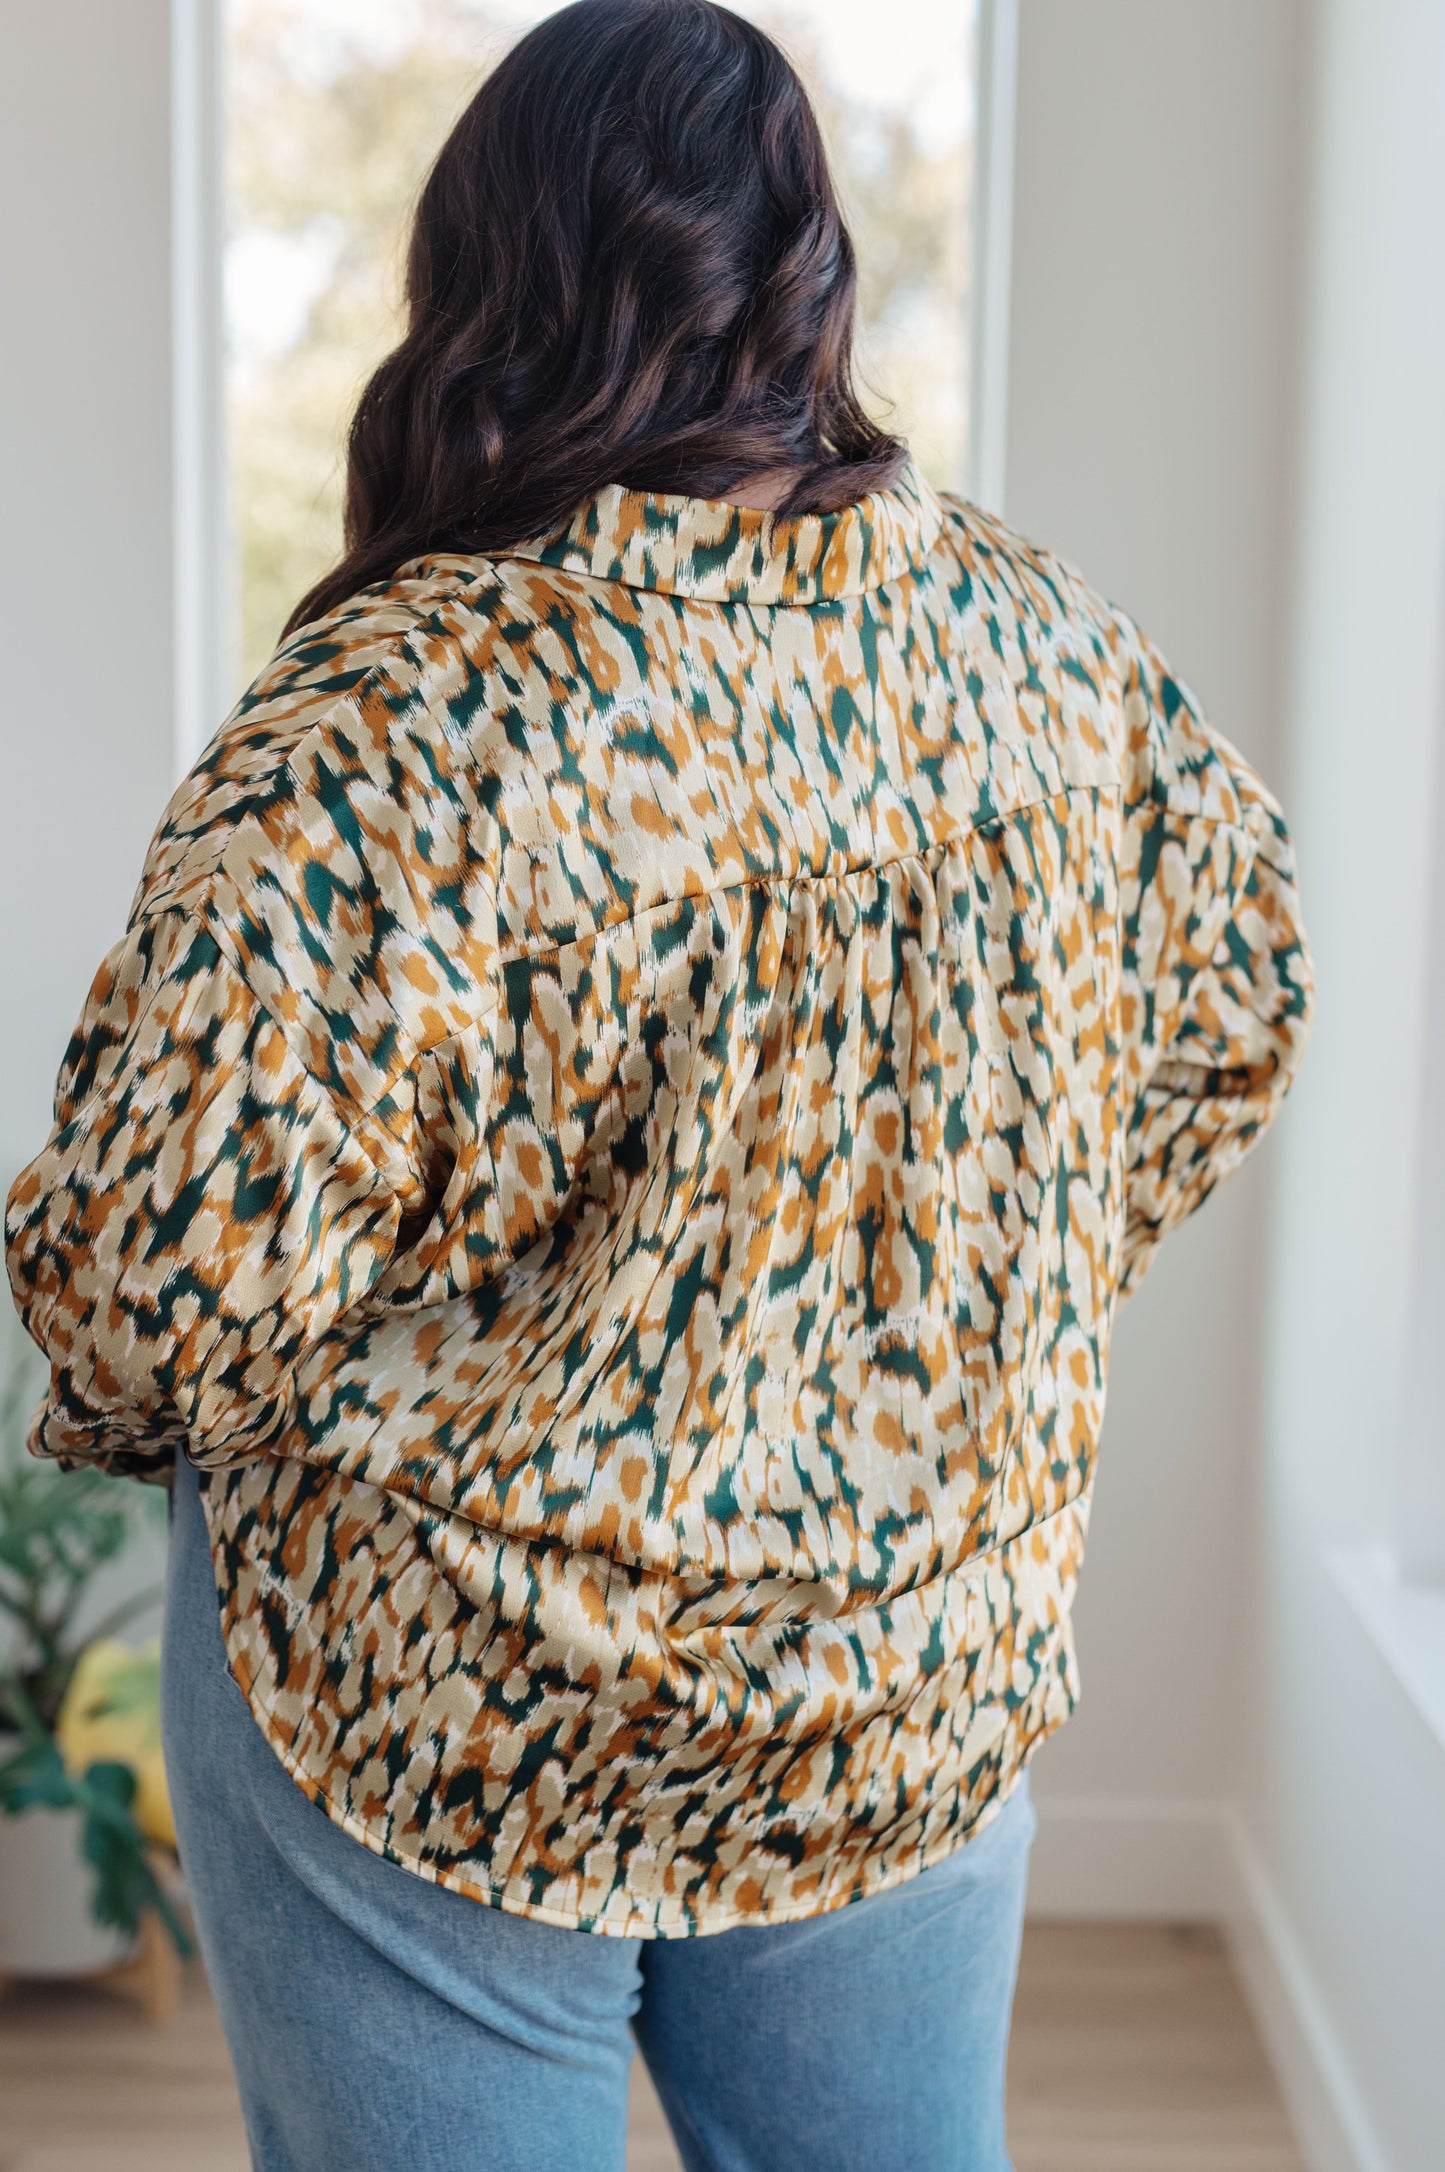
[[379, 2023]]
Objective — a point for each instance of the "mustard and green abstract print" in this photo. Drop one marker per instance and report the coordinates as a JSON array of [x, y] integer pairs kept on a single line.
[[637, 1075]]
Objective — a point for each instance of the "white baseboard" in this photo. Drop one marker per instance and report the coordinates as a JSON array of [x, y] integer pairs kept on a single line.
[[1151, 1860]]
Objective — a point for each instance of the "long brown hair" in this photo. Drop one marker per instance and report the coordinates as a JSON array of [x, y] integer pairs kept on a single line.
[[628, 265]]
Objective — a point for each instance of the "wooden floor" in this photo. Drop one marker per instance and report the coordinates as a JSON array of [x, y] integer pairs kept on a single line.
[[1132, 2052]]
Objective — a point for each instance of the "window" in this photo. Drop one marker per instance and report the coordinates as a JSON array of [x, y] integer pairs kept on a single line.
[[332, 111]]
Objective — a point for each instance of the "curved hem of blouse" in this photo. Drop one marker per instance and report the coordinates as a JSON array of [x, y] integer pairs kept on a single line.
[[638, 1925]]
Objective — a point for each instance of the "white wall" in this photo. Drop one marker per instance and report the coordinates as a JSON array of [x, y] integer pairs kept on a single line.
[[1152, 351], [85, 544], [1343, 1809], [1227, 402]]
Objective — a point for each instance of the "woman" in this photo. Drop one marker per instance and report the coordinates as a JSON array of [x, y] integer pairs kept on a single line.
[[644, 1055]]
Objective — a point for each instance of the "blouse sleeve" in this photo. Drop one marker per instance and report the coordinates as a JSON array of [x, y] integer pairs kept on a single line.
[[1217, 972], [201, 1213]]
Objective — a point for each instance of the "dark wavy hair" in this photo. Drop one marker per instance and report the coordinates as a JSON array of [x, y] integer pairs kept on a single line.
[[628, 265]]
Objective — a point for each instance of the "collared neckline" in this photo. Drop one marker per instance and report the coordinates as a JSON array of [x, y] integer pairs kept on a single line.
[[717, 552]]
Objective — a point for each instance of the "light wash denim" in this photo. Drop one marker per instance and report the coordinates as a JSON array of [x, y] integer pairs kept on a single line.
[[381, 2024]]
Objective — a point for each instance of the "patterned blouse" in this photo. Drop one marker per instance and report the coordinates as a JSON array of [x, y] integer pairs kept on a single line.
[[636, 1075]]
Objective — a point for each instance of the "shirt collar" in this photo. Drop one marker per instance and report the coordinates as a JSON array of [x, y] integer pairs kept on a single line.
[[722, 553]]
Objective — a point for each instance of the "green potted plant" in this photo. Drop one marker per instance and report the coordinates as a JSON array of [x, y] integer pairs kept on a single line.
[[82, 1806]]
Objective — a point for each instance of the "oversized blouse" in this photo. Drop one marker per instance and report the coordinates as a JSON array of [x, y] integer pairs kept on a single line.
[[637, 1073]]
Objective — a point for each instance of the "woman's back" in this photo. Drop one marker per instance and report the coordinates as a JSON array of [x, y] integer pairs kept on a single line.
[[684, 1031], [644, 1056]]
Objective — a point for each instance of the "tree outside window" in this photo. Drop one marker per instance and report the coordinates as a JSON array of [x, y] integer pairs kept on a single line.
[[333, 111]]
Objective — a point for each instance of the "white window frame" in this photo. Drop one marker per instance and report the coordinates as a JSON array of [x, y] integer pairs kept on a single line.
[[1420, 1475], [1397, 1589], [996, 30], [204, 619]]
